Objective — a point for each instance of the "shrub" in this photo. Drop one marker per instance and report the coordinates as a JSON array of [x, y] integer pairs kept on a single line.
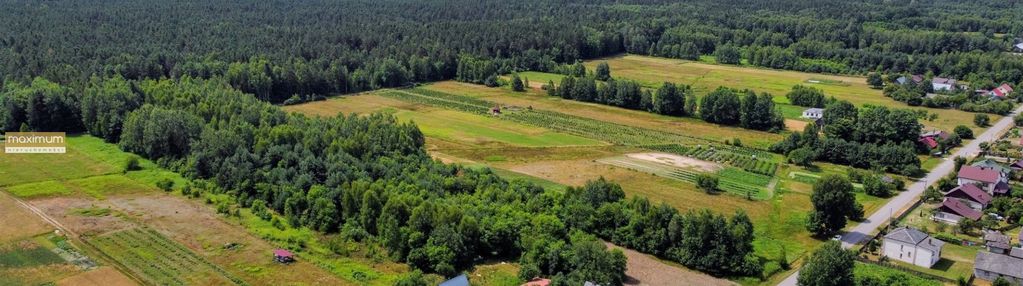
[[981, 120], [132, 164], [165, 184]]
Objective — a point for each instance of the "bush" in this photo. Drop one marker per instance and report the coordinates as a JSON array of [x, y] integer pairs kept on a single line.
[[981, 120], [132, 164], [707, 182], [964, 132], [166, 185]]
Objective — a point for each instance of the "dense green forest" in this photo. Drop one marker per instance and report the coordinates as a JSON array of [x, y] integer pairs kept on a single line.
[[279, 49]]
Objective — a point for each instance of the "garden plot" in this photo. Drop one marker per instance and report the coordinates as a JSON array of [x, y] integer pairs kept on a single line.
[[655, 167]]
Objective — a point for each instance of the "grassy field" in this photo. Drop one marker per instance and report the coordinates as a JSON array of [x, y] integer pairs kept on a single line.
[[539, 100], [159, 260], [451, 125], [704, 77], [82, 159]]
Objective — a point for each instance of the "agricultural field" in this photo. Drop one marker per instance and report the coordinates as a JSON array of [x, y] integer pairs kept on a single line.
[[160, 261], [704, 77]]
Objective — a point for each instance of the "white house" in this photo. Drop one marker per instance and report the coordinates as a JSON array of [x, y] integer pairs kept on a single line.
[[1019, 47], [813, 113], [940, 83], [912, 246]]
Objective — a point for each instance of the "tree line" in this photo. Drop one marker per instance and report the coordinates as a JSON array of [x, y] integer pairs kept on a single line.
[[724, 106]]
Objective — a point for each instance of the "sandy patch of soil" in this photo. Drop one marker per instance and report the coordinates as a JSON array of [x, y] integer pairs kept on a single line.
[[677, 161], [103, 276], [795, 125], [61, 209], [642, 269]]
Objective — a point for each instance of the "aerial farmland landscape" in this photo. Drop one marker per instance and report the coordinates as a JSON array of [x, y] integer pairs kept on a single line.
[[527, 143]]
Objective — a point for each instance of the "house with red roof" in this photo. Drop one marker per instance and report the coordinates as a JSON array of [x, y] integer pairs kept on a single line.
[[1001, 91], [971, 195], [952, 211], [929, 142], [988, 179], [931, 138]]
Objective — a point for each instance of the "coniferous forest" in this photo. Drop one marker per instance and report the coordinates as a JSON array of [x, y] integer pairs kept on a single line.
[[193, 85]]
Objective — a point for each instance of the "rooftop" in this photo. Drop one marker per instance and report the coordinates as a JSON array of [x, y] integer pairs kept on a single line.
[[460, 280], [282, 253], [979, 174], [907, 235], [941, 80], [971, 192], [999, 263], [957, 207]]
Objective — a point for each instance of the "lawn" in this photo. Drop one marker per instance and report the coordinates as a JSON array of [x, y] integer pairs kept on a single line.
[[83, 159], [705, 77], [472, 129]]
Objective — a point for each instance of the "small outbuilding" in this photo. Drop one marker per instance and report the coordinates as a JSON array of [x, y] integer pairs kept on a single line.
[[537, 281], [813, 113], [283, 256]]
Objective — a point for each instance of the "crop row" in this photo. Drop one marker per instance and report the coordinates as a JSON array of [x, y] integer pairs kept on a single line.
[[747, 161], [156, 258], [724, 183]]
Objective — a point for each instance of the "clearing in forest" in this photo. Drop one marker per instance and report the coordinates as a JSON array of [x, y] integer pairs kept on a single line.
[[480, 130], [651, 72]]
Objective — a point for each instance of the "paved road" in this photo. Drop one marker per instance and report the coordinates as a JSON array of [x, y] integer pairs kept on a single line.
[[913, 192]]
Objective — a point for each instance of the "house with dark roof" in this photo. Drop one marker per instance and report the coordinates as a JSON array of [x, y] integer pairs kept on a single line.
[[941, 83], [460, 280], [912, 246], [989, 180], [952, 211], [997, 242], [1018, 165], [971, 195], [989, 266]]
